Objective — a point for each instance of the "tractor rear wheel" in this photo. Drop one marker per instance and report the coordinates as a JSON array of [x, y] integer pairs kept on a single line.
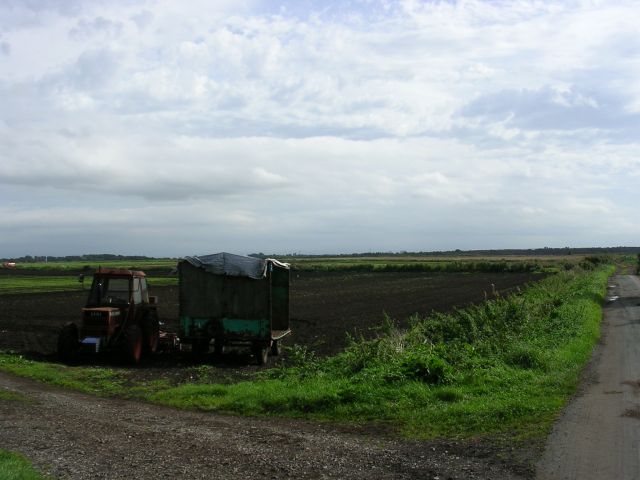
[[151, 335], [133, 344], [68, 342]]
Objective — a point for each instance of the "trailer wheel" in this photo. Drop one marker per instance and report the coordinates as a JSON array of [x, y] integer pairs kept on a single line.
[[275, 348], [151, 335], [133, 344], [218, 347], [261, 353], [68, 342], [200, 346]]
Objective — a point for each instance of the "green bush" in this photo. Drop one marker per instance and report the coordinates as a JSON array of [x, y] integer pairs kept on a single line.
[[427, 368]]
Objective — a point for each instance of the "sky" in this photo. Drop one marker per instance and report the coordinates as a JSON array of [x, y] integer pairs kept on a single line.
[[167, 128]]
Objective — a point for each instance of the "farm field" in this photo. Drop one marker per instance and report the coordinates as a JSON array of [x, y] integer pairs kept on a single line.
[[501, 368], [325, 306]]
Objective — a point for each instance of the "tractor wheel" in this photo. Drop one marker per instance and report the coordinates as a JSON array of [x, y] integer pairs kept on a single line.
[[151, 335], [133, 344], [261, 353], [275, 348], [200, 346], [68, 342]]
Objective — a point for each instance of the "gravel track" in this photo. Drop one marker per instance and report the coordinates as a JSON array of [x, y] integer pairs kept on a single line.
[[77, 436]]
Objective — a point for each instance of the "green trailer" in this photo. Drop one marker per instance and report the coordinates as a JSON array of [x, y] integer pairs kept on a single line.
[[234, 300]]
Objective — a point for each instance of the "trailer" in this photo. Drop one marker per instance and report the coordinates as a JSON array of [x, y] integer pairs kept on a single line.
[[234, 300]]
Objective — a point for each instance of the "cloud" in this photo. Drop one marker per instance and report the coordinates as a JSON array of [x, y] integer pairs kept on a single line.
[[349, 125], [86, 29], [554, 109]]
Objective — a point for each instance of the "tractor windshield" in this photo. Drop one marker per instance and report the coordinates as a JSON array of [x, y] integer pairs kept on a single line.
[[109, 291]]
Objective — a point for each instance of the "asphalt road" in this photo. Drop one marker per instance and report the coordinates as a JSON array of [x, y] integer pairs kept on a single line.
[[598, 435]]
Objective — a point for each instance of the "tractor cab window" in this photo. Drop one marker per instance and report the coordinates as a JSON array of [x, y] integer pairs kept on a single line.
[[109, 291], [145, 290], [137, 291]]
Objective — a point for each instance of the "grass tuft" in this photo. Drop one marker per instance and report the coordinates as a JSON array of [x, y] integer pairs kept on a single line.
[[14, 466]]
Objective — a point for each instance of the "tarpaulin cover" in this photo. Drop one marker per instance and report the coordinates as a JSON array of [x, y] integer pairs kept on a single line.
[[234, 265]]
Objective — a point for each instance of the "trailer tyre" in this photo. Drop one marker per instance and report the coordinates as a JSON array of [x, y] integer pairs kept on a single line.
[[200, 347], [218, 347], [151, 335], [133, 345], [68, 342]]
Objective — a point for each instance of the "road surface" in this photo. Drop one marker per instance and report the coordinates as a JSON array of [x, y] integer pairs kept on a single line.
[[598, 435]]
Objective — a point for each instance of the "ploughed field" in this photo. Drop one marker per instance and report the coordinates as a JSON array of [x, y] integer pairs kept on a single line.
[[325, 307]]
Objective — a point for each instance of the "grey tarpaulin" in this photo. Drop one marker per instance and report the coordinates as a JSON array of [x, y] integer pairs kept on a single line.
[[234, 265]]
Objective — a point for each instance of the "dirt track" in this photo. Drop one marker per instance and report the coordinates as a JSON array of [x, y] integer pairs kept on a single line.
[[598, 435], [71, 435]]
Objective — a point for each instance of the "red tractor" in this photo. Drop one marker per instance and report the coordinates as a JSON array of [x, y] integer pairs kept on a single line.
[[119, 316]]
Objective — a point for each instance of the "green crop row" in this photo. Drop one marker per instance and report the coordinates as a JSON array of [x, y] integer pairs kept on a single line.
[[428, 267], [63, 283], [154, 264]]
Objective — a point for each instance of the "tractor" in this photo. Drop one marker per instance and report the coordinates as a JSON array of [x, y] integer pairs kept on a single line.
[[119, 316]]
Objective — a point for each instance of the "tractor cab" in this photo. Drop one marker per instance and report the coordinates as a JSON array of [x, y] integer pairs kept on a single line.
[[118, 288]]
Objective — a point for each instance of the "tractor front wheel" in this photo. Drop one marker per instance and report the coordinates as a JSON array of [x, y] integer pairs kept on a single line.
[[151, 335], [261, 353], [68, 342], [133, 344]]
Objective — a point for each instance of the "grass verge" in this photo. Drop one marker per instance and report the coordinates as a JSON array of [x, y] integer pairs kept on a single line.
[[507, 365], [10, 396], [14, 466]]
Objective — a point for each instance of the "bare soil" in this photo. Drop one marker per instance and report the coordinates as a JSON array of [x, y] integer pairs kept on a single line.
[[325, 306]]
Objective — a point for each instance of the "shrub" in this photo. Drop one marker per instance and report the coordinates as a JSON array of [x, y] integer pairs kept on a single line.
[[426, 367]]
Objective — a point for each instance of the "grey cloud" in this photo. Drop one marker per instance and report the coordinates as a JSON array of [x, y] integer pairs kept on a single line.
[[63, 7], [171, 184], [221, 125], [26, 13], [99, 25], [142, 19], [93, 69], [550, 109]]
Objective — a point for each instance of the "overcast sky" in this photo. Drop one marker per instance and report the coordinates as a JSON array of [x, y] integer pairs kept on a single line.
[[180, 128]]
